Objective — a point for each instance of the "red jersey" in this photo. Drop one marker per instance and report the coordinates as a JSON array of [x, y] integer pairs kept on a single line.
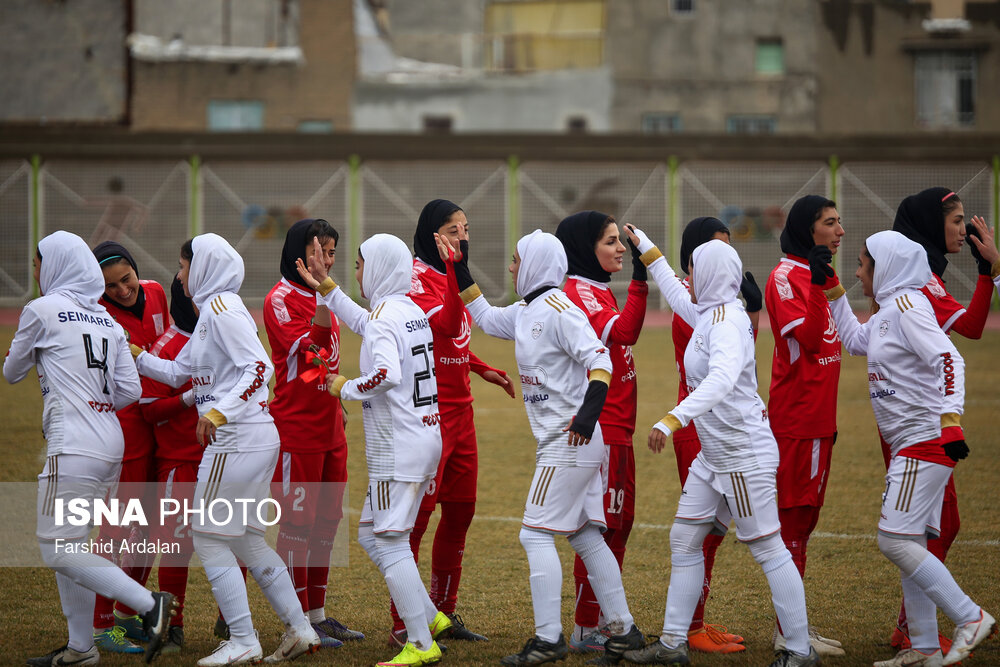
[[308, 418], [805, 371], [139, 440], [619, 331], [681, 332], [953, 316], [173, 422], [452, 357]]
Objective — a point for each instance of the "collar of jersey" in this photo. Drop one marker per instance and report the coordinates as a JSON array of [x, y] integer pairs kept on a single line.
[[594, 283], [417, 259], [297, 288], [528, 298], [797, 261]]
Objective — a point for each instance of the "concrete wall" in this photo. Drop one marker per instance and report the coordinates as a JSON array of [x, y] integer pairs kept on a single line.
[[439, 31], [175, 96], [222, 22], [62, 61]]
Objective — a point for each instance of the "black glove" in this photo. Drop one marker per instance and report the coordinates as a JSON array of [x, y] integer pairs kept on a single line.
[[638, 268], [956, 450], [984, 267], [819, 264], [462, 274], [751, 293]]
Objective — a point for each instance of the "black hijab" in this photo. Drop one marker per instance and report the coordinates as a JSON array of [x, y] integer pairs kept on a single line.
[[796, 237], [698, 231], [182, 307], [295, 248], [110, 252], [579, 233], [920, 218], [434, 214]]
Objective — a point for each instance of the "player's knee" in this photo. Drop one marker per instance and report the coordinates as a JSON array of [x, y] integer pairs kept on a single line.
[[457, 516], [770, 551], [366, 538], [534, 540], [52, 557], [904, 554], [587, 540], [392, 549], [686, 538]]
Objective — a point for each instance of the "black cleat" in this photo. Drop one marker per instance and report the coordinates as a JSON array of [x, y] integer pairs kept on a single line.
[[461, 632], [788, 659], [538, 651], [655, 653], [156, 623], [64, 655], [616, 645]]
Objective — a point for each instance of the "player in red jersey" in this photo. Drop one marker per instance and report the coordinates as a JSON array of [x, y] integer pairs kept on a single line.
[[174, 418], [140, 307], [311, 474], [594, 252], [805, 372], [704, 636], [454, 486], [935, 218]]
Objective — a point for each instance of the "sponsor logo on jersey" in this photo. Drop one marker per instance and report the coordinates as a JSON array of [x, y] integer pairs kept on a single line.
[[535, 398], [781, 281], [830, 335], [949, 374], [462, 339], [375, 380], [98, 406], [536, 330], [278, 305], [431, 420], [588, 298], [934, 287], [257, 383], [826, 361], [880, 381]]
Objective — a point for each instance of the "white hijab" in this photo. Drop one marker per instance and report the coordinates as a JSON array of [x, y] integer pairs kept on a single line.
[[70, 269], [543, 262], [388, 268], [717, 273], [216, 267], [900, 264]]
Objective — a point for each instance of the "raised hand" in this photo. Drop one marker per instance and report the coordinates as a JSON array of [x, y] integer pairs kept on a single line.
[[819, 258], [316, 273], [446, 251], [982, 244]]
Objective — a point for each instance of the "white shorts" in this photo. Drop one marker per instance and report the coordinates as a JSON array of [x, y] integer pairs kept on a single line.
[[749, 498], [565, 499], [391, 506], [234, 488], [911, 502], [68, 476]]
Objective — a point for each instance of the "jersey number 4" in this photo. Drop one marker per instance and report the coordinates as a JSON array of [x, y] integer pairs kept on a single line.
[[93, 361], [421, 400]]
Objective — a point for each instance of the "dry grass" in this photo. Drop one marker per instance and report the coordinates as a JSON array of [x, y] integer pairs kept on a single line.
[[853, 592]]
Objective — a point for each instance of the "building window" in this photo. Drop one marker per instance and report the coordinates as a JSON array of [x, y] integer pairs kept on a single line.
[[437, 124], [235, 115], [751, 124], [544, 35], [576, 125], [945, 84], [682, 6], [316, 126], [661, 123], [770, 56]]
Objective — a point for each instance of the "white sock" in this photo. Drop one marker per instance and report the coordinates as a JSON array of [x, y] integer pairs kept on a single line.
[[789, 598], [94, 573], [687, 572], [228, 587], [545, 581], [936, 581], [272, 576], [316, 616], [407, 591], [78, 608], [605, 578], [921, 617]]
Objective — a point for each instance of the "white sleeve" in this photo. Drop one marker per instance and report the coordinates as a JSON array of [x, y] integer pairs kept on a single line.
[[996, 281], [344, 308], [494, 320], [677, 295], [21, 355], [725, 363], [934, 347], [386, 371], [239, 339], [173, 373], [128, 387], [577, 338], [853, 334]]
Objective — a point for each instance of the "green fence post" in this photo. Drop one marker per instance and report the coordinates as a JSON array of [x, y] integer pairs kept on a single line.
[[673, 211], [996, 209], [834, 164], [354, 217], [513, 212], [36, 218], [195, 220]]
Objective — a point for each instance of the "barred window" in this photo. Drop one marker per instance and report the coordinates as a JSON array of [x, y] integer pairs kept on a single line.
[[661, 123], [751, 124], [945, 88]]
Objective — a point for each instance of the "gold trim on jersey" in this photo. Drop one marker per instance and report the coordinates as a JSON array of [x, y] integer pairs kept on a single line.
[[650, 256], [214, 477], [600, 375], [950, 419], [719, 314], [216, 417], [744, 507], [908, 484], [903, 303], [470, 293], [671, 422], [835, 293], [327, 286], [375, 313], [554, 301], [51, 488], [542, 486], [218, 305]]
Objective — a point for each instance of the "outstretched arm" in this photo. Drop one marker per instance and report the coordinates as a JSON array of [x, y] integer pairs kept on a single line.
[[329, 293], [674, 291]]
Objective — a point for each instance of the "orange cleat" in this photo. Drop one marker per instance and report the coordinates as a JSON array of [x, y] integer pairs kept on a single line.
[[901, 641], [714, 639]]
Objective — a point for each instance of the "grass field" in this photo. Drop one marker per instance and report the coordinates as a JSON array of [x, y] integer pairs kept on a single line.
[[852, 590]]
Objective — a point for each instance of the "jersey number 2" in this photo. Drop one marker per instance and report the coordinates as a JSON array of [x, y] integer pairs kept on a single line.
[[419, 400], [93, 361]]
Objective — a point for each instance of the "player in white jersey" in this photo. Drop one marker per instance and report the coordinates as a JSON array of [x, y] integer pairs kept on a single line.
[[229, 369], [733, 476], [556, 348], [84, 369], [916, 383], [398, 394]]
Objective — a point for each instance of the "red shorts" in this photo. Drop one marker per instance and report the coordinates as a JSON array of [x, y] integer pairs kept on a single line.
[[619, 498], [458, 470], [686, 448], [803, 471], [310, 486]]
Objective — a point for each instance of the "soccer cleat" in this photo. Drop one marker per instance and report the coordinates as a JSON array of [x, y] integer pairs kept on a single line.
[[813, 635], [221, 629], [827, 648], [325, 640], [592, 642], [460, 632], [656, 653], [64, 655], [133, 627], [538, 651], [411, 656], [232, 652], [331, 627], [156, 622], [397, 638], [969, 636], [724, 631], [901, 640], [911, 657], [113, 640], [709, 639], [789, 659], [175, 640], [295, 642], [616, 645], [439, 625]]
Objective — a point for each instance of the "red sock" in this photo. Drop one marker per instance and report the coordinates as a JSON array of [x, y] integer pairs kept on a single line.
[[174, 579], [320, 547], [796, 525], [416, 535], [708, 547], [446, 557], [293, 547]]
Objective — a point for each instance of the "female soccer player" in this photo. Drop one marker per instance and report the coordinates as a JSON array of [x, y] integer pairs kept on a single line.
[[398, 395], [935, 218], [312, 469], [140, 306], [916, 379], [734, 472], [228, 367], [454, 486], [805, 373], [593, 253], [79, 352], [556, 349]]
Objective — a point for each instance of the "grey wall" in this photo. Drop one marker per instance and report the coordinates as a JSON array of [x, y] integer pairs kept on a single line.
[[207, 22]]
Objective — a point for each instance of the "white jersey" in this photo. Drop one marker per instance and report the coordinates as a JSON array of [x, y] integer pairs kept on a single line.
[[555, 347]]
